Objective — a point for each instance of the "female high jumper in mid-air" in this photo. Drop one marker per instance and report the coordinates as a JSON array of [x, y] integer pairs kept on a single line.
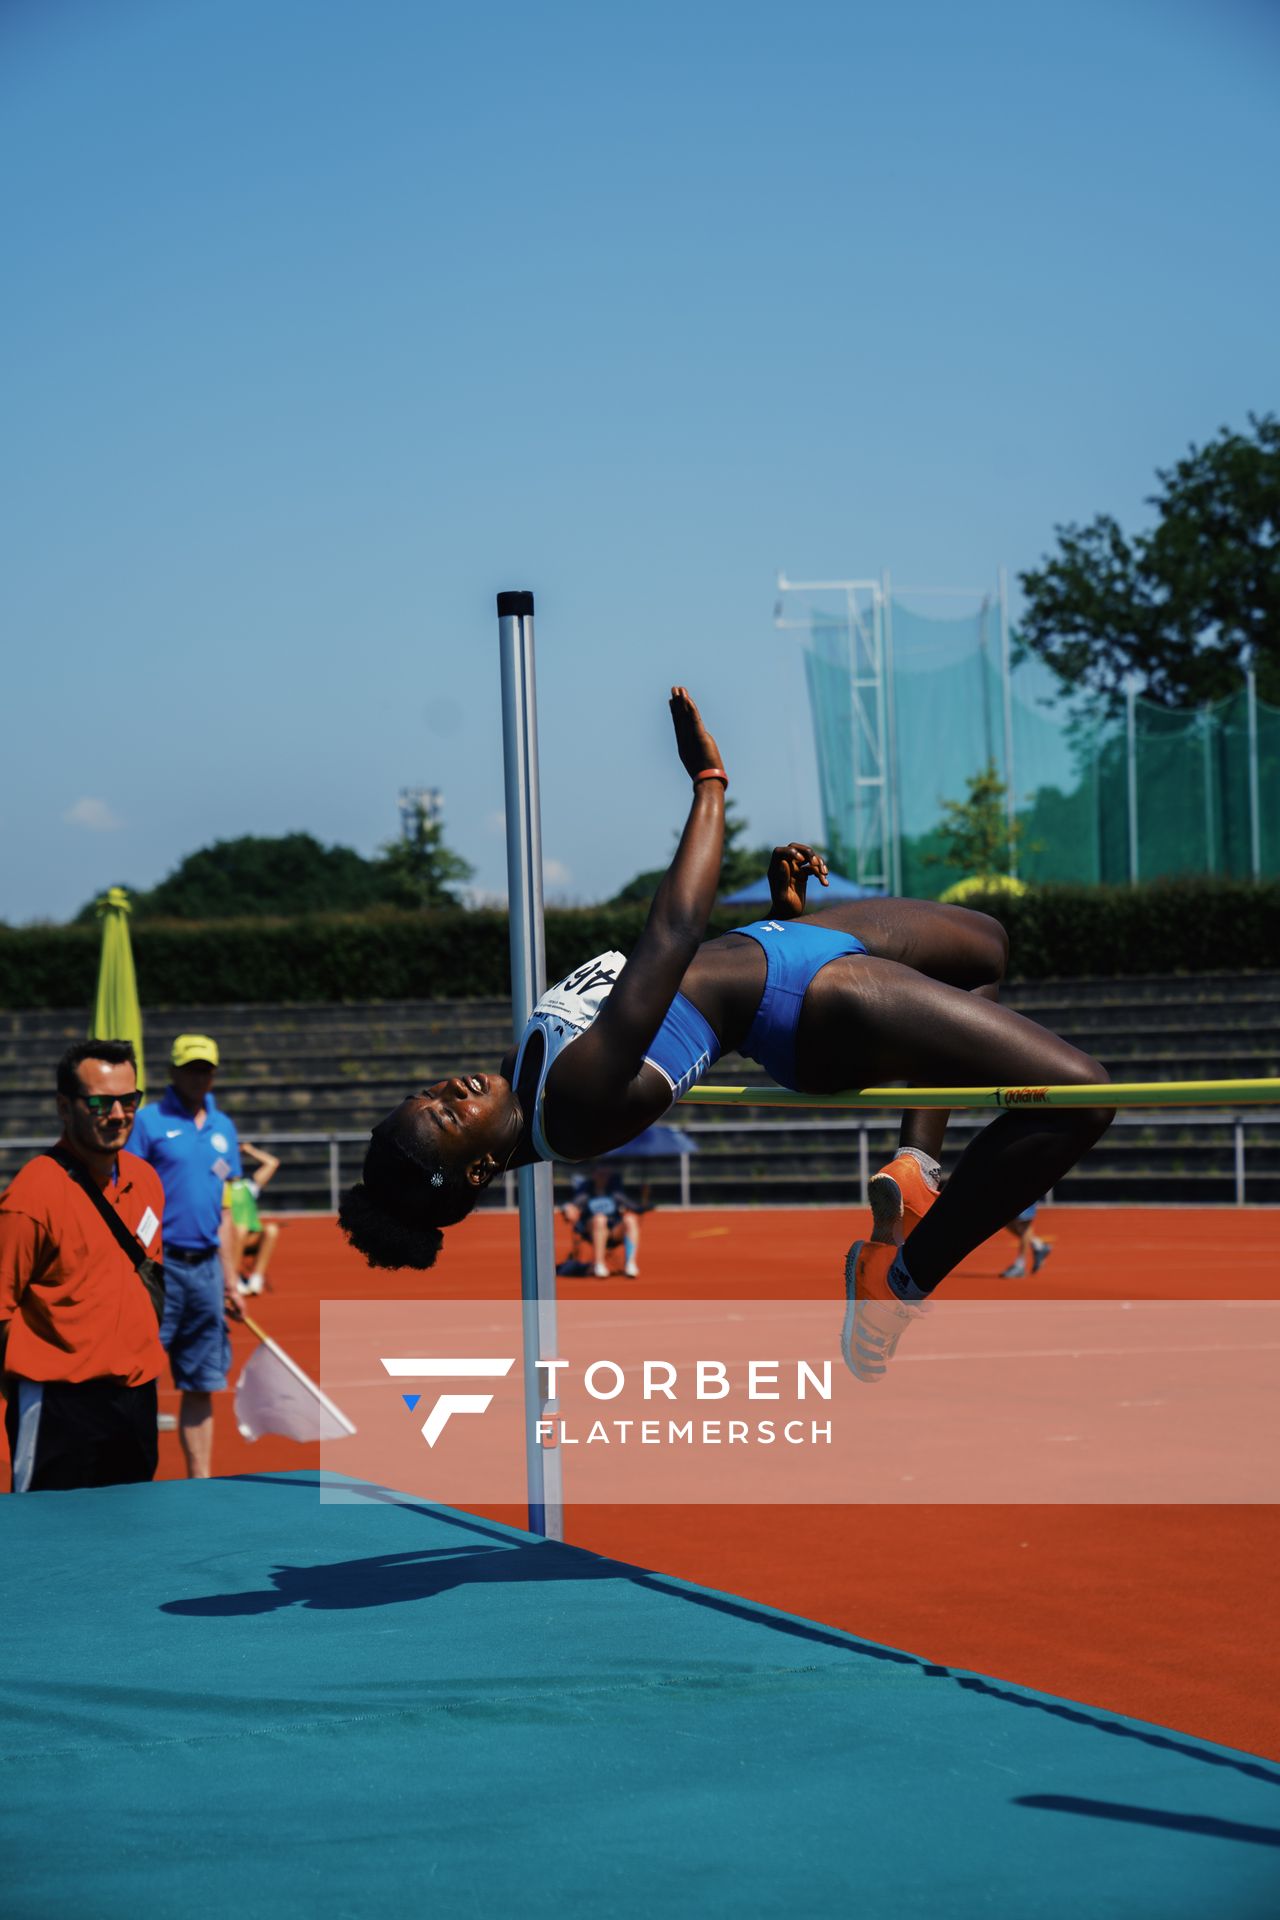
[[847, 997]]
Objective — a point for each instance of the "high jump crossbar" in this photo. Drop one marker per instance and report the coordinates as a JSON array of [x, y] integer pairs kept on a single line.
[[1119, 1093]]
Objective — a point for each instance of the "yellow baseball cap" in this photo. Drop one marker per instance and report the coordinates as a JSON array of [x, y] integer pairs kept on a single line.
[[189, 1047]]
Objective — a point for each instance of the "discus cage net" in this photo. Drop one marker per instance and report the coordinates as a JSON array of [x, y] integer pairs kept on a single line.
[[914, 691]]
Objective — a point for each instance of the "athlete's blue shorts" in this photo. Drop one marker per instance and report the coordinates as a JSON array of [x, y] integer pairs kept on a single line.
[[795, 951], [194, 1329], [684, 1047]]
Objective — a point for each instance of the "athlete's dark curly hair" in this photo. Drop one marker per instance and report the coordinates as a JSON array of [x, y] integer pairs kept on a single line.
[[394, 1214]]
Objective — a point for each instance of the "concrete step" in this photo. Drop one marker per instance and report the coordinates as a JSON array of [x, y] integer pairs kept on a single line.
[[447, 1049], [346, 1100], [1133, 989], [338, 1069], [1189, 992]]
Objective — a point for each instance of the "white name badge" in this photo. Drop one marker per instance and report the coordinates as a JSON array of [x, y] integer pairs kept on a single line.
[[147, 1227]]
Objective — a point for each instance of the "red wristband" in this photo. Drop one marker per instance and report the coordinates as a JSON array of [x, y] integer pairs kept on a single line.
[[712, 773]]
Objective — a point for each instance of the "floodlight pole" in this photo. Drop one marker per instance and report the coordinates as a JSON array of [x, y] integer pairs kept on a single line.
[[528, 980], [870, 734], [1251, 709], [891, 714], [1131, 765], [1006, 689]]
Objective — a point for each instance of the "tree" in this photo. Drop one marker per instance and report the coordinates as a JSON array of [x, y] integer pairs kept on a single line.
[[1185, 607], [639, 890], [976, 833], [295, 873], [256, 874], [418, 870], [738, 865]]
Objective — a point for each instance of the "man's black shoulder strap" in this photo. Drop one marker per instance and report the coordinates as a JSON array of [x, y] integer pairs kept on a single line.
[[149, 1271], [127, 1242]]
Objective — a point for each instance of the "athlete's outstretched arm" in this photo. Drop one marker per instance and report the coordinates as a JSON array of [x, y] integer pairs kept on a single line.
[[601, 1065]]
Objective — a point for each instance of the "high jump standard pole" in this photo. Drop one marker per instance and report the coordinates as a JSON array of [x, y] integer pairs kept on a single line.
[[528, 980]]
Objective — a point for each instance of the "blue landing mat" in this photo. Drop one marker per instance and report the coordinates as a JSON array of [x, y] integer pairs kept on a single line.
[[224, 1697]]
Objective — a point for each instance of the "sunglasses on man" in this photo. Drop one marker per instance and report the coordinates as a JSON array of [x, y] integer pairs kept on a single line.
[[100, 1104]]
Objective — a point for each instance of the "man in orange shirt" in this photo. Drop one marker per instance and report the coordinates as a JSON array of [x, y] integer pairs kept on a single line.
[[79, 1343]]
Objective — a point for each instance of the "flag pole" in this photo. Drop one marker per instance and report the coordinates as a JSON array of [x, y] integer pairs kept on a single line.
[[264, 1338]]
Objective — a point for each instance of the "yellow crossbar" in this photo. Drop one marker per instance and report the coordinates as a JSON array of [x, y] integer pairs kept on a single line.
[[1121, 1093]]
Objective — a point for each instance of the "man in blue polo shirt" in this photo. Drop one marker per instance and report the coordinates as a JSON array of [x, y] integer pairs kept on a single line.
[[193, 1147]]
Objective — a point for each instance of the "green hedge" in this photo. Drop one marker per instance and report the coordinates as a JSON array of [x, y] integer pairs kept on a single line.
[[1189, 926], [1167, 926]]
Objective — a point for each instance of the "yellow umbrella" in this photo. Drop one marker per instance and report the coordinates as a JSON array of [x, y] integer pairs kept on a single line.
[[116, 1012]]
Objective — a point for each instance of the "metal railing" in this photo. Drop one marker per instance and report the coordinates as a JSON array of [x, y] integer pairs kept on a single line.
[[332, 1142], [963, 1123], [862, 1129]]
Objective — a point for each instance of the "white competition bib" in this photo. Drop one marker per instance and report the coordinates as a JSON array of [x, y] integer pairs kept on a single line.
[[565, 1012], [577, 999]]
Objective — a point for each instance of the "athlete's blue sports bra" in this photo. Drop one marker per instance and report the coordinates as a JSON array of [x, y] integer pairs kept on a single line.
[[683, 1049]]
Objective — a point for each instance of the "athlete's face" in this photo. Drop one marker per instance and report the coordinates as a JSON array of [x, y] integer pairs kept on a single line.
[[471, 1121]]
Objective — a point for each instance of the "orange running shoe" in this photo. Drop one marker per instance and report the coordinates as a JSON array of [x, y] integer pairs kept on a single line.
[[874, 1319], [900, 1196]]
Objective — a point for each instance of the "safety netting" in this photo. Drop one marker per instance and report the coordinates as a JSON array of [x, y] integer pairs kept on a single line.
[[908, 706]]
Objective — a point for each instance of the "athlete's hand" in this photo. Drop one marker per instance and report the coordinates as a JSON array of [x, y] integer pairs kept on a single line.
[[789, 871], [697, 749]]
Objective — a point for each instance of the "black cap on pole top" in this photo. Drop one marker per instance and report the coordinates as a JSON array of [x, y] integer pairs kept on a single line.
[[516, 604]]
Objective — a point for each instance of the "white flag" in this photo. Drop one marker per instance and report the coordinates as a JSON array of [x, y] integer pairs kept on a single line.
[[274, 1395]]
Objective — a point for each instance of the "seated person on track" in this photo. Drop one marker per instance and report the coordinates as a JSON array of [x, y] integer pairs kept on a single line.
[[255, 1239], [602, 1214], [850, 996]]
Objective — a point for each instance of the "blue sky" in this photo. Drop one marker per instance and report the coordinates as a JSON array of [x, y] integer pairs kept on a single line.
[[325, 321]]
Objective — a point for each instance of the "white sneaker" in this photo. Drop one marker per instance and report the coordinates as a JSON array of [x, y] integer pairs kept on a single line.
[[631, 1270], [602, 1272]]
